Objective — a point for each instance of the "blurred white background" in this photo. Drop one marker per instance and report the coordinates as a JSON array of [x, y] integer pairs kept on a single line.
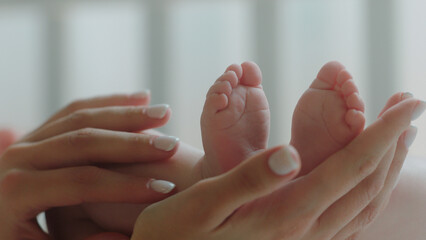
[[52, 52]]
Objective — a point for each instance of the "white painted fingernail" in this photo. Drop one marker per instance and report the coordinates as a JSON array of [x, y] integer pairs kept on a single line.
[[282, 161], [157, 111], [407, 95], [418, 111], [410, 136], [161, 186], [141, 94], [165, 143]]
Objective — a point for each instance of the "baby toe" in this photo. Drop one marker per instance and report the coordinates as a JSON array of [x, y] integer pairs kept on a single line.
[[215, 103], [252, 76], [327, 76], [354, 101], [356, 120], [220, 87], [348, 88], [237, 69], [229, 76], [343, 77]]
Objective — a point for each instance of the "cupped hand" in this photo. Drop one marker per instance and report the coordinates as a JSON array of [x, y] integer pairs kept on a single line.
[[56, 165], [335, 201]]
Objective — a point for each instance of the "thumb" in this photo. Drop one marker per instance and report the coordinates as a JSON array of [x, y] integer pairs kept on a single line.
[[256, 177]]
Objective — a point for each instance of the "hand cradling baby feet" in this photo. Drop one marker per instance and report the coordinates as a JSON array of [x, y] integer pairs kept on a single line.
[[235, 124], [235, 120]]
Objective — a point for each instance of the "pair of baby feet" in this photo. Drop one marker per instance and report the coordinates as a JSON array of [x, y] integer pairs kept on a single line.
[[235, 124], [235, 119]]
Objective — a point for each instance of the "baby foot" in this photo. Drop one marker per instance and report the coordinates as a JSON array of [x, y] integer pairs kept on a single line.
[[328, 116], [235, 119]]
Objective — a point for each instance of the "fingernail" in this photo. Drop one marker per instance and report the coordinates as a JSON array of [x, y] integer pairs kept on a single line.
[[282, 161], [418, 111], [410, 136], [141, 94], [157, 111], [407, 95], [161, 186], [165, 143]]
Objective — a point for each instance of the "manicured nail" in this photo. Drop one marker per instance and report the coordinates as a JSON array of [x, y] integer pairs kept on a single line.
[[282, 161], [157, 111], [407, 95], [410, 136], [141, 94], [161, 186], [165, 143], [418, 111]]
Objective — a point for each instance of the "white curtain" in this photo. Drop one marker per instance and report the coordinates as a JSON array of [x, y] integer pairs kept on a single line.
[[52, 52]]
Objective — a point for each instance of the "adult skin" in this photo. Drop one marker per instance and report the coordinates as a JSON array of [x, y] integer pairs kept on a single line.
[[405, 215], [369, 212], [335, 201], [7, 138], [115, 236], [56, 164]]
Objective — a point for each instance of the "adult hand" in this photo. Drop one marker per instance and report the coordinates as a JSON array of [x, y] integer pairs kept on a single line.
[[335, 201], [7, 138], [55, 165]]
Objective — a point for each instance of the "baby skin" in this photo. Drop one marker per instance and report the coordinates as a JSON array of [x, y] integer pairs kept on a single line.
[[329, 115], [235, 120], [235, 124]]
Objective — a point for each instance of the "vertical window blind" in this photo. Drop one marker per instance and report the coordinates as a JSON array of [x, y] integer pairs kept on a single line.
[[52, 52]]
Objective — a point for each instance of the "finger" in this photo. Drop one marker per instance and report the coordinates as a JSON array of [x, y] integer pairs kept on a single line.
[[35, 191], [348, 167], [349, 206], [92, 146], [370, 213], [129, 119], [338, 215], [140, 98], [395, 99], [7, 138], [216, 199]]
